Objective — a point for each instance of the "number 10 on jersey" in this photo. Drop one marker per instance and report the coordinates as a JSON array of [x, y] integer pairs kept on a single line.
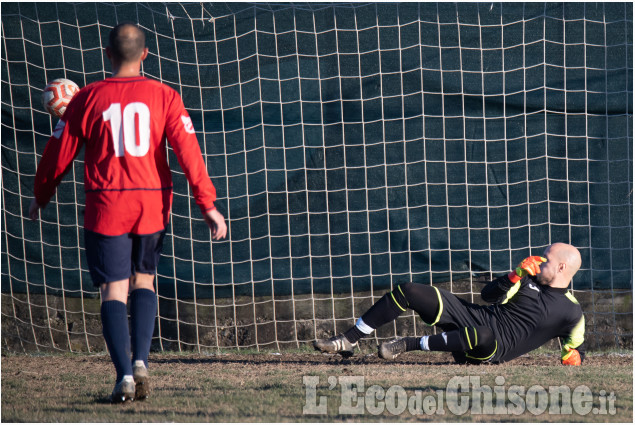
[[124, 128]]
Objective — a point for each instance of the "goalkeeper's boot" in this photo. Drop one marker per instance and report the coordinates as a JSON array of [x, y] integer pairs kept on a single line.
[[140, 375], [390, 350], [124, 390], [337, 344]]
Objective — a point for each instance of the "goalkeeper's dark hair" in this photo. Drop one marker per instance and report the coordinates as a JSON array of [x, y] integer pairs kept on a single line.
[[126, 42]]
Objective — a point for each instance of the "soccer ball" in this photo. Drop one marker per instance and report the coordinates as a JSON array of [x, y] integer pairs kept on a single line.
[[57, 94]]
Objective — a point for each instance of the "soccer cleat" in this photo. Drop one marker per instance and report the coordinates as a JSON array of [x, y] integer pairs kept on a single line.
[[124, 390], [390, 350], [337, 344], [140, 375]]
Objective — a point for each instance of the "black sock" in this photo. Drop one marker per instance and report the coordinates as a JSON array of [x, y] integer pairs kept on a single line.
[[387, 309], [412, 343], [447, 341], [114, 320], [478, 342], [354, 334], [143, 310]]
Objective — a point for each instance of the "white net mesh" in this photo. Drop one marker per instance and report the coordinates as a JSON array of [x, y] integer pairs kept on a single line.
[[353, 147]]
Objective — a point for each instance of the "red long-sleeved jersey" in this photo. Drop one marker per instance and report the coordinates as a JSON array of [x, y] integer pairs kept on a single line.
[[124, 123]]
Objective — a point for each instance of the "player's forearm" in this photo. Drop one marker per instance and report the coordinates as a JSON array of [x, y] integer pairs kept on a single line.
[[205, 199], [48, 176], [61, 150], [203, 190], [496, 290], [202, 187]]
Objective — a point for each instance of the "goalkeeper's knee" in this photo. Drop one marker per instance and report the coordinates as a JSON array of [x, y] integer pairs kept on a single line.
[[423, 299], [479, 342], [390, 306]]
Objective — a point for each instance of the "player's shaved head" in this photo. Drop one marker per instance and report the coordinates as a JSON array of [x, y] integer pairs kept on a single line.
[[567, 254], [126, 42]]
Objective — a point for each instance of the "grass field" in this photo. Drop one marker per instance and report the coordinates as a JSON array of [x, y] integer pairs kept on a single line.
[[271, 387]]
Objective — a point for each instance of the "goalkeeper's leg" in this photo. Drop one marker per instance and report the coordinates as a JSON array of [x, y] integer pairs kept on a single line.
[[424, 299], [476, 342]]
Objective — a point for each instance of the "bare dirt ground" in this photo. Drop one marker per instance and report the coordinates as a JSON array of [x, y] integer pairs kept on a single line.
[[77, 364], [223, 384], [269, 387]]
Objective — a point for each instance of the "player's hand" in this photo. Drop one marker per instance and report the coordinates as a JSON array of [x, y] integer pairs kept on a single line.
[[529, 266], [34, 210], [572, 358], [216, 223]]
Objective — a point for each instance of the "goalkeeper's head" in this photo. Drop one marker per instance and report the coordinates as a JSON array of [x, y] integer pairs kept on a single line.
[[563, 262]]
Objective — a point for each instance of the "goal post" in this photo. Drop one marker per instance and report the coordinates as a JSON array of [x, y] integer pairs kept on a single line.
[[353, 146]]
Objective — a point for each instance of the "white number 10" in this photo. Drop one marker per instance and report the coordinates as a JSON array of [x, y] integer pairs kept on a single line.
[[124, 136]]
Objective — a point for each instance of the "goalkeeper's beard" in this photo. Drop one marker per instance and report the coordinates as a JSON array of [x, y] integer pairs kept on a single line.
[[542, 279]]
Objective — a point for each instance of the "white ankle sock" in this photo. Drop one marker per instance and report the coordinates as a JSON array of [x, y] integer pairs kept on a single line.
[[363, 326], [424, 343]]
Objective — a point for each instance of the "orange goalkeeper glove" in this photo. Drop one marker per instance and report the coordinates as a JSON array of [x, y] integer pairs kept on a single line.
[[529, 266], [572, 358]]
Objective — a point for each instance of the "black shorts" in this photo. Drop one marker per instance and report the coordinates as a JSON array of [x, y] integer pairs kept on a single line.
[[113, 258], [456, 313]]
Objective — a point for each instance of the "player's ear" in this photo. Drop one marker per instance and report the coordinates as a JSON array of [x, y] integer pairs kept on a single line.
[[144, 55]]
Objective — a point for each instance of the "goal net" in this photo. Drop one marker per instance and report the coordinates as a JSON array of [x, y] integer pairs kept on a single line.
[[354, 146]]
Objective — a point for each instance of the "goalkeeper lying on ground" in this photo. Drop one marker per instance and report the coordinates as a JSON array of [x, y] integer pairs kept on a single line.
[[531, 306]]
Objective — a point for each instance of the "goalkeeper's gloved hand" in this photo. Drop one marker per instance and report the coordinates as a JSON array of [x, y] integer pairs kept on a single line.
[[529, 266], [572, 358]]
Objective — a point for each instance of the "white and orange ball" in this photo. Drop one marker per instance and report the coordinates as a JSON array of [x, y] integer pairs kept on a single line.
[[57, 94]]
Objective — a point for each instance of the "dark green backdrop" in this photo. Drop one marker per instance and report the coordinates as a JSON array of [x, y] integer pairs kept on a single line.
[[352, 145]]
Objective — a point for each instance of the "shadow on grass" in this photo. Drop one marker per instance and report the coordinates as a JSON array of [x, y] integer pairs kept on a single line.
[[313, 360]]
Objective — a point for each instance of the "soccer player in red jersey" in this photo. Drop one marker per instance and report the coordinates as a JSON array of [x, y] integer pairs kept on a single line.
[[124, 121]]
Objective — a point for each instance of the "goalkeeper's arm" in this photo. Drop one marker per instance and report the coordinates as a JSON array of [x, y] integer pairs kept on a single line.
[[505, 287], [573, 350], [499, 290]]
